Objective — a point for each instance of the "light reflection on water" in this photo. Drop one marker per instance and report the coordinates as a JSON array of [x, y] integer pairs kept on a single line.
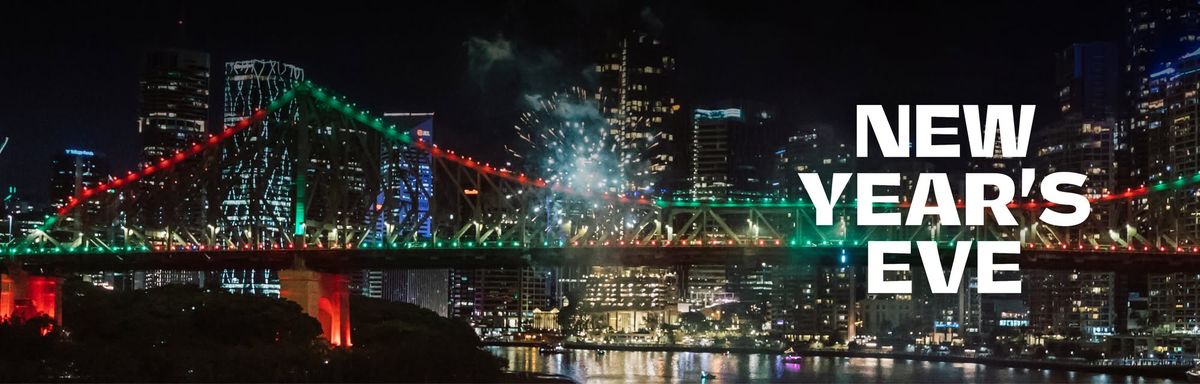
[[685, 367]]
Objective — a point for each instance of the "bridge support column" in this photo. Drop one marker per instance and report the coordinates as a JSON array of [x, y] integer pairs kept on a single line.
[[324, 296], [24, 296]]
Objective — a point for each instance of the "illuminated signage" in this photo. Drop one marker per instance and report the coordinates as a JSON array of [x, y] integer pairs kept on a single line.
[[470, 191], [79, 152], [717, 114], [1014, 323], [945, 324]]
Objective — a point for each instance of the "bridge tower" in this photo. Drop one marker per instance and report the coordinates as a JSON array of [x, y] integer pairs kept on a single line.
[[324, 296], [23, 296]]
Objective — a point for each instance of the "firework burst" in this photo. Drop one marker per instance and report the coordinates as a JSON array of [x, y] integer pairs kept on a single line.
[[565, 139]]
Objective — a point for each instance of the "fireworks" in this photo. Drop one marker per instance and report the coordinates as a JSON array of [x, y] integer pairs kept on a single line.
[[565, 139]]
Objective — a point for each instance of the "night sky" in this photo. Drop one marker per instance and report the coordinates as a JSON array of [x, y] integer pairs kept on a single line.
[[70, 71]]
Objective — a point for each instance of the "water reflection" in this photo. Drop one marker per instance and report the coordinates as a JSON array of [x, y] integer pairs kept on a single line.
[[685, 367]]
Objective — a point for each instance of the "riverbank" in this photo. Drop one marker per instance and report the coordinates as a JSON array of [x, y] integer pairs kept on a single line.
[[1169, 372], [1166, 372]]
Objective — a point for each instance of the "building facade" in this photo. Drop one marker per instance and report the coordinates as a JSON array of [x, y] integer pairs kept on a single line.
[[641, 109], [173, 117], [260, 174]]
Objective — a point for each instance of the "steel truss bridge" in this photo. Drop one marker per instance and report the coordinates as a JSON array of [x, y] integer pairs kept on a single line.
[[343, 215], [340, 203]]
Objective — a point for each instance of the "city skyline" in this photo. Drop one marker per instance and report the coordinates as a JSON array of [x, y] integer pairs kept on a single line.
[[562, 178], [761, 57]]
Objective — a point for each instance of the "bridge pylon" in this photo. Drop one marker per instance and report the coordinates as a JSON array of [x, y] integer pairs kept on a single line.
[[324, 296], [24, 296]]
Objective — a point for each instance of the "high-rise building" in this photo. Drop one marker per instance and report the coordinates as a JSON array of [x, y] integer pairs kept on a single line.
[[1171, 121], [728, 155], [813, 302], [406, 184], [811, 149], [640, 106], [72, 170], [1082, 137], [1073, 304], [407, 176], [497, 301], [260, 175], [1172, 302], [173, 117], [426, 288], [1159, 31]]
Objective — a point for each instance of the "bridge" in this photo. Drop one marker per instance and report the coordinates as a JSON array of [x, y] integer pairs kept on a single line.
[[345, 216]]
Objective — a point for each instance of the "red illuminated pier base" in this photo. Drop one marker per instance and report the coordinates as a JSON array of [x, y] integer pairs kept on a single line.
[[325, 296], [23, 296]]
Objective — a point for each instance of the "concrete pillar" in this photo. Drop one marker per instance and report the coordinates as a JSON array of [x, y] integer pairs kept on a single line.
[[24, 296], [324, 296]]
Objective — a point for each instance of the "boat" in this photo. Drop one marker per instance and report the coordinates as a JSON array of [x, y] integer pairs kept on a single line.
[[1193, 375], [551, 348], [791, 355], [705, 375], [601, 352]]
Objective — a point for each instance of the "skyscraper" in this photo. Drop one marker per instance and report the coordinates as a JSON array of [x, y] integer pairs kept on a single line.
[[1172, 128], [1084, 136], [813, 302], [402, 207], [173, 117], [497, 301], [1159, 32], [811, 149], [72, 170], [407, 176], [1076, 304], [258, 175], [641, 108], [426, 288], [728, 154]]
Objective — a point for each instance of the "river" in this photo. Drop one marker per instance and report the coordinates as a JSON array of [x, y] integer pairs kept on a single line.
[[587, 366]]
